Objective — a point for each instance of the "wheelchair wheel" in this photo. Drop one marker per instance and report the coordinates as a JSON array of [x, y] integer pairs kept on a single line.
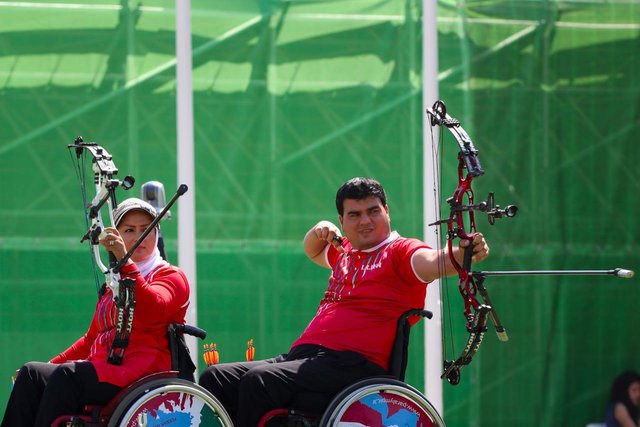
[[381, 402], [169, 402]]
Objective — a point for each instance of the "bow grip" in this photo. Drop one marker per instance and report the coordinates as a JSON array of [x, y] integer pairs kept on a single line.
[[112, 260], [468, 254]]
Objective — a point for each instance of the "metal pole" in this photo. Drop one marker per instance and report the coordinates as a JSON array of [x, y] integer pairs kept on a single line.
[[431, 192], [185, 154]]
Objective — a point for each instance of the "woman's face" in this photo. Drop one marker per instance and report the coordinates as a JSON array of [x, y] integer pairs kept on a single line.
[[634, 393], [131, 227]]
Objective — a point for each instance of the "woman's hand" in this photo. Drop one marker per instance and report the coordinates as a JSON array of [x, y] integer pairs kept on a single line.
[[112, 242]]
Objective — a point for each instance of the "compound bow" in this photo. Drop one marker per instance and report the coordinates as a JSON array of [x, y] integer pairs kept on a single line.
[[470, 283], [104, 170]]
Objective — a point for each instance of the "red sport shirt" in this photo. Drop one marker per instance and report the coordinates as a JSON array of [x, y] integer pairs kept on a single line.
[[368, 291]]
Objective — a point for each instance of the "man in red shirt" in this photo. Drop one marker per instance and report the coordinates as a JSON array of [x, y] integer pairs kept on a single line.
[[376, 276]]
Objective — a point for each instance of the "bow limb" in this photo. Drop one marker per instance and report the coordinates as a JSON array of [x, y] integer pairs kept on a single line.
[[476, 333]]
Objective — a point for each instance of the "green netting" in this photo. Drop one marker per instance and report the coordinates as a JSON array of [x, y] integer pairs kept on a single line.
[[290, 100], [550, 91]]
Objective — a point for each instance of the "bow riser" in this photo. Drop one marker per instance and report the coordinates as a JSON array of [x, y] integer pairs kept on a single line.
[[103, 195], [103, 171]]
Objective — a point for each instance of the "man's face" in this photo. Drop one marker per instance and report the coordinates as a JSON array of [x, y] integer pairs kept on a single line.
[[366, 222]]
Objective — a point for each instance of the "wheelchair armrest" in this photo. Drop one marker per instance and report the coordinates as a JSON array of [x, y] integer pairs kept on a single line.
[[415, 312], [188, 330], [399, 351], [180, 356]]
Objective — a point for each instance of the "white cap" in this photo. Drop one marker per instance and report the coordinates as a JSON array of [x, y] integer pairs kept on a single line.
[[129, 205]]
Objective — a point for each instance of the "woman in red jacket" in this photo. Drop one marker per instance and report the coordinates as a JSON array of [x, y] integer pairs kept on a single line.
[[81, 375]]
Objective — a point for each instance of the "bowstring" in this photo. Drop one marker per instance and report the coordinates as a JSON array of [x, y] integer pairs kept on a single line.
[[437, 151], [79, 167]]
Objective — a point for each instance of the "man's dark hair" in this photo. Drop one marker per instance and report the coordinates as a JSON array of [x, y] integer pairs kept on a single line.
[[358, 189]]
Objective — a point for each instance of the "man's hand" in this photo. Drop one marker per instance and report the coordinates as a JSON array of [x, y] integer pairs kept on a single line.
[[328, 232], [480, 247], [318, 237]]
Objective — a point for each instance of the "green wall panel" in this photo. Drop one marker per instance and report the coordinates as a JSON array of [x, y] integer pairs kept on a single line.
[[290, 100]]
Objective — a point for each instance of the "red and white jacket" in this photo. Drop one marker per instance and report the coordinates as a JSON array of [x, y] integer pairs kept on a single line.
[[161, 298]]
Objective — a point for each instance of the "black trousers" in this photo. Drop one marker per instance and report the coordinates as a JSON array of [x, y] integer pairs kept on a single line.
[[44, 391], [248, 390]]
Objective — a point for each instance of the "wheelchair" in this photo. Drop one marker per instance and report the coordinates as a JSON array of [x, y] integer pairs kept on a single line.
[[172, 398], [377, 401], [169, 398]]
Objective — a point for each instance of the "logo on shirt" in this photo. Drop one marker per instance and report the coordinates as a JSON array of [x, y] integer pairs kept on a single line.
[[373, 266]]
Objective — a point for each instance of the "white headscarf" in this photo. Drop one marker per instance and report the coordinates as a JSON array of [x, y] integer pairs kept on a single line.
[[146, 266]]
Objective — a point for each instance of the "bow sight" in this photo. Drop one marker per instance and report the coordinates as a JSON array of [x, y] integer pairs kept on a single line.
[[489, 207]]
